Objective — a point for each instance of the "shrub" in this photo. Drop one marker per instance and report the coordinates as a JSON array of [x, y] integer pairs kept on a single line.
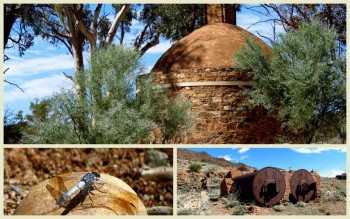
[[186, 211], [240, 210], [195, 167], [301, 204], [278, 208], [303, 82]]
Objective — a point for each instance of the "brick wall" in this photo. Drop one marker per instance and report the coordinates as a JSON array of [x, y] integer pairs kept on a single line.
[[220, 115]]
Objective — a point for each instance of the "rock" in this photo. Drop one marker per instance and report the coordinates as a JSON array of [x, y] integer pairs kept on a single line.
[[160, 210], [145, 197], [110, 197], [155, 158], [225, 186]]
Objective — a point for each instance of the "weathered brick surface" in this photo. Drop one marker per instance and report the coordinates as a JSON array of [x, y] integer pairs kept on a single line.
[[226, 183], [214, 13], [220, 115], [317, 179], [225, 186], [219, 111], [211, 46]]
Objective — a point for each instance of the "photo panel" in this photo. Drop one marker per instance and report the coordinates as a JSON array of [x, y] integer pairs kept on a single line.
[[225, 74], [261, 181], [88, 181]]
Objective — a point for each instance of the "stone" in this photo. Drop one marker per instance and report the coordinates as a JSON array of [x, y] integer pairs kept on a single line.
[[155, 158], [217, 99], [227, 108], [113, 197], [160, 210]]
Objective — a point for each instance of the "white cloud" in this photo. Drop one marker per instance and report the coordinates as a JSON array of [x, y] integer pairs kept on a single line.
[[37, 88], [331, 172], [316, 150], [249, 21], [243, 150], [34, 66], [226, 157], [160, 48], [244, 157]]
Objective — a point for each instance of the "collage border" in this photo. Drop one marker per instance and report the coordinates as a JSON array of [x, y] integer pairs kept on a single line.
[[174, 146]]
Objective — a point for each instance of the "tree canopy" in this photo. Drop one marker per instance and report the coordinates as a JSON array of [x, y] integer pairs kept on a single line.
[[304, 81], [110, 112]]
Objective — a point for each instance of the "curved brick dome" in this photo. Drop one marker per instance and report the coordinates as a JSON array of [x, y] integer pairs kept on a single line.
[[211, 46]]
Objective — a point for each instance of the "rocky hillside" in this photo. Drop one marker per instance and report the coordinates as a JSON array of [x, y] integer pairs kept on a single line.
[[185, 154]]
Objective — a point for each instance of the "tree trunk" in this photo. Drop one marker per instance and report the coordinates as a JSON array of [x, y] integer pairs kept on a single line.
[[10, 17], [116, 22]]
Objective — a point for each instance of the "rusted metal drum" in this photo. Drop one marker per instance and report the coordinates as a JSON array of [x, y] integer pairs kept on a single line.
[[302, 185], [266, 185]]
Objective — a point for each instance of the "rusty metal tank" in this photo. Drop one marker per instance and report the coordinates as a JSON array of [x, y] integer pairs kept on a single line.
[[267, 185], [302, 185]]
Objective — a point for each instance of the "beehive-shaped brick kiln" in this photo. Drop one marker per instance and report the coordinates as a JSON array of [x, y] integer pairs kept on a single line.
[[200, 67]]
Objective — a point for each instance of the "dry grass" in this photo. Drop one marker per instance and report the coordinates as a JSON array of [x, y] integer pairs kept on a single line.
[[331, 202]]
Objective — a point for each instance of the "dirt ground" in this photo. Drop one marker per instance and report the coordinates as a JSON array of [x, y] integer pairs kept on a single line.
[[193, 200], [25, 168]]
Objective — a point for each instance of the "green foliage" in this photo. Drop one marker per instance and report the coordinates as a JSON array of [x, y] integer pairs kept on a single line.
[[331, 15], [14, 124], [301, 204], [279, 208], [17, 16], [110, 113], [195, 167], [303, 82], [242, 167], [232, 199], [173, 21], [287, 204], [40, 110], [240, 210], [186, 211]]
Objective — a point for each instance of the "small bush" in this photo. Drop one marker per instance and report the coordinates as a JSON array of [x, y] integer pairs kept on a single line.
[[301, 204], [240, 210], [287, 204], [195, 167], [210, 169], [313, 211], [278, 208], [186, 211], [230, 203], [242, 167]]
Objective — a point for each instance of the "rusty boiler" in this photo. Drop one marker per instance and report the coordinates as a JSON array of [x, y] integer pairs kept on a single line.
[[267, 186], [302, 186]]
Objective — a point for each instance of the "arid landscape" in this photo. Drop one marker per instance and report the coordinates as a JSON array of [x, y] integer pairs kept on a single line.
[[196, 198]]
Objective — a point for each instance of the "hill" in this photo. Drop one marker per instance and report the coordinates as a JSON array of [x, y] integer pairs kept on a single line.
[[193, 156]]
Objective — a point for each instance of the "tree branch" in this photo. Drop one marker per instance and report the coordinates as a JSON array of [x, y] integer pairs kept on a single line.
[[94, 22], [53, 28], [14, 85], [86, 33], [149, 45], [139, 39], [68, 76], [6, 70], [69, 47], [113, 30]]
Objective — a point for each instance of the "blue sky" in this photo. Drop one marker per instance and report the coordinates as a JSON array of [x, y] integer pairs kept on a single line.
[[40, 71], [327, 162]]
